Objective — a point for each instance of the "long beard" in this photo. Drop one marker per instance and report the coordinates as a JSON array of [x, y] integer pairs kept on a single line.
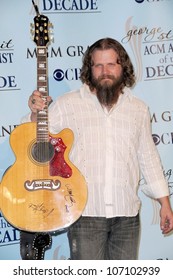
[[108, 92]]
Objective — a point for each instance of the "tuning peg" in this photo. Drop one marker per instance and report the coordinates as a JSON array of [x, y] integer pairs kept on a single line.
[[50, 32], [51, 39], [32, 28], [32, 32], [50, 25]]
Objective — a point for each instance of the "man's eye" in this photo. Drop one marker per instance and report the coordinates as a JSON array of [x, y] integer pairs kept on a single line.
[[112, 64], [98, 65]]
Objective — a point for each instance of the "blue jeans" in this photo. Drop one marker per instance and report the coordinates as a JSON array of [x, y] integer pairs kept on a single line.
[[99, 238]]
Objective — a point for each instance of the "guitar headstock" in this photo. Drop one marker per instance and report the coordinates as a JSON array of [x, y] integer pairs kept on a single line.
[[41, 30]]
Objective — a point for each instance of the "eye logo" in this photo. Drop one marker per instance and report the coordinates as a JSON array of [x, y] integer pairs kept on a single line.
[[58, 75], [139, 1], [156, 139]]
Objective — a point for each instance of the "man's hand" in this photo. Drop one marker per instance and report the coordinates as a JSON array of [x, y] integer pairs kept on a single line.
[[36, 103], [166, 215]]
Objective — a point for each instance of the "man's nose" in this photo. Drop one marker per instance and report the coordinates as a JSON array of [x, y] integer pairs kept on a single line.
[[105, 69]]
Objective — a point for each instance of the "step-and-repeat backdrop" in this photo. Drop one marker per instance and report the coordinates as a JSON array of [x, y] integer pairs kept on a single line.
[[145, 28]]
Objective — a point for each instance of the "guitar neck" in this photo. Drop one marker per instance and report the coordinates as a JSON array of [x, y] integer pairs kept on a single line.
[[42, 86]]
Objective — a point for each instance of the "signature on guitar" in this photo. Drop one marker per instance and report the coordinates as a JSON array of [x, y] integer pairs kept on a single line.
[[41, 208], [69, 198]]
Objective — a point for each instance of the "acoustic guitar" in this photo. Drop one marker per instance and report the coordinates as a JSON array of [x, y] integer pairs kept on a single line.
[[43, 191]]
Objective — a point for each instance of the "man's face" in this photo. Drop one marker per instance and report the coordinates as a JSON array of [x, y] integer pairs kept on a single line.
[[106, 76]]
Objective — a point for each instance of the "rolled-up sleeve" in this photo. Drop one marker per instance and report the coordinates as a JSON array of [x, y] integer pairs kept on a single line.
[[150, 163]]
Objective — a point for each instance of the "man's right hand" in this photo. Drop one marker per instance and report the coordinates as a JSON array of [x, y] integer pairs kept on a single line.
[[36, 103]]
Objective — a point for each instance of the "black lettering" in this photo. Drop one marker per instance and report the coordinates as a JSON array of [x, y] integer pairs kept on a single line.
[[29, 54]]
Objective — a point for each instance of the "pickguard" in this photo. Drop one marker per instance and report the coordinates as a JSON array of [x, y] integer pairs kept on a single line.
[[58, 165]]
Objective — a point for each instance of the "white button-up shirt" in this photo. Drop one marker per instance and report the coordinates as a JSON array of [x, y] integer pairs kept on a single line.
[[110, 149]]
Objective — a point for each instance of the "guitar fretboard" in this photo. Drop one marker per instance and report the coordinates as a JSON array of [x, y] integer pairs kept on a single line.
[[42, 86]]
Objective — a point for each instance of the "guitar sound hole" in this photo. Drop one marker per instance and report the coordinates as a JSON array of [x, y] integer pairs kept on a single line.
[[42, 151]]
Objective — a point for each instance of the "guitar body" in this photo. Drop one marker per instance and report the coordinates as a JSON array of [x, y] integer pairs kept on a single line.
[[44, 195]]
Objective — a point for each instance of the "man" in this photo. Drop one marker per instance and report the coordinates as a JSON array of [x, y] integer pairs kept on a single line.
[[113, 143]]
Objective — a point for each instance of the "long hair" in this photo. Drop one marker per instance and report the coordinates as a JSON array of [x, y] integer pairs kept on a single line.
[[123, 59]]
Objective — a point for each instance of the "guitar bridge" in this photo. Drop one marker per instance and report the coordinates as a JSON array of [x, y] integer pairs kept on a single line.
[[35, 185]]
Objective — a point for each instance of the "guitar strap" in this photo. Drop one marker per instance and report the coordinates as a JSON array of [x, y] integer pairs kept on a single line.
[[33, 245], [27, 251]]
